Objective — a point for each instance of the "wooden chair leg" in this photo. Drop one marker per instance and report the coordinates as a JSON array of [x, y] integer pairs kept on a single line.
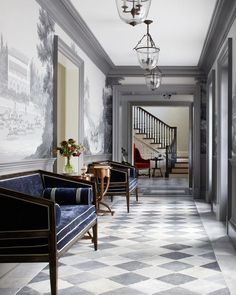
[[127, 201], [95, 236], [53, 270], [136, 193]]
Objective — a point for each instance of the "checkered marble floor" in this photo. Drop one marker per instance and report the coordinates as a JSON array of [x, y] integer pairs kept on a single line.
[[160, 247]]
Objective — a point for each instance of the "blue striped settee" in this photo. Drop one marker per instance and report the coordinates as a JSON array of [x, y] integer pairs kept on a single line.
[[41, 215]]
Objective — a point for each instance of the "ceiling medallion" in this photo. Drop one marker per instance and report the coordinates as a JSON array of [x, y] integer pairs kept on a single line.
[[133, 12]]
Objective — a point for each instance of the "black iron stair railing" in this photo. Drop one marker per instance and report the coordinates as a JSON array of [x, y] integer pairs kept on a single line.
[[162, 134]]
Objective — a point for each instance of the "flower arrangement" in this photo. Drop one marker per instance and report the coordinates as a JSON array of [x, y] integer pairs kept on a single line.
[[69, 148]]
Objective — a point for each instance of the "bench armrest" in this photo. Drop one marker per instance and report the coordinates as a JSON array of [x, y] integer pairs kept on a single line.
[[21, 213]]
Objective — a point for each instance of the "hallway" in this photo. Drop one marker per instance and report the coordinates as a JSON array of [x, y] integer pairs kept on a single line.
[[161, 247]]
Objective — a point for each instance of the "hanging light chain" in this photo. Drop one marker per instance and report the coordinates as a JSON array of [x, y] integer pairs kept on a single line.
[[149, 39]]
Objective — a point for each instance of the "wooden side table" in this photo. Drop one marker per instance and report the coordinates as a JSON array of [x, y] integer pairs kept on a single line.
[[156, 159], [86, 176], [102, 178]]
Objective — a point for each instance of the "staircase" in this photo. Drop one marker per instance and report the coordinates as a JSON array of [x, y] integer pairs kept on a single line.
[[157, 136], [181, 167]]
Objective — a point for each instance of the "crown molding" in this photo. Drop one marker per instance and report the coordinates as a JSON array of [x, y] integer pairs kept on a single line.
[[142, 90], [67, 17], [221, 22], [167, 71]]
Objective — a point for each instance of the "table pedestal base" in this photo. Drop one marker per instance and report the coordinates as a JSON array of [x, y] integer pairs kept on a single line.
[[102, 178], [105, 211]]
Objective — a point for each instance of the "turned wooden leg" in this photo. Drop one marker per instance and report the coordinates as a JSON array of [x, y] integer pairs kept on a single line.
[[53, 270], [95, 236]]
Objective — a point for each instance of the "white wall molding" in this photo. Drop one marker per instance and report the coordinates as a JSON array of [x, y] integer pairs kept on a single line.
[[27, 165]]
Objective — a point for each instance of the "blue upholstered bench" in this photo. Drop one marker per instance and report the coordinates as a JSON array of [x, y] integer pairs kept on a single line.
[[42, 215]]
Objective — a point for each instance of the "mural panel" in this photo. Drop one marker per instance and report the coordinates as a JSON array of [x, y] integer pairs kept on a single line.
[[26, 82], [98, 129]]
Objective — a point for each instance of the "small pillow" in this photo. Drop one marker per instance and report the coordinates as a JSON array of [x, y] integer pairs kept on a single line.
[[69, 196]]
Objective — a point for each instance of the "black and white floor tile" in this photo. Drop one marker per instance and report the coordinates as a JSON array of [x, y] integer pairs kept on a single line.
[[160, 247]]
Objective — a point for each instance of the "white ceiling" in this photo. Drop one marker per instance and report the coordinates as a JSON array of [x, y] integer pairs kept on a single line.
[[179, 29]]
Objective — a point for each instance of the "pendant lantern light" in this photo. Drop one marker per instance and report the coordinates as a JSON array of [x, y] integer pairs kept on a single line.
[[147, 51], [153, 78], [133, 12]]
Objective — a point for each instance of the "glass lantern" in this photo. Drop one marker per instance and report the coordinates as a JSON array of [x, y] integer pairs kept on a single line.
[[153, 78], [133, 12]]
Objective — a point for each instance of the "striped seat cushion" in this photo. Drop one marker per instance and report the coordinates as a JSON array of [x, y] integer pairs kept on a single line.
[[74, 219]]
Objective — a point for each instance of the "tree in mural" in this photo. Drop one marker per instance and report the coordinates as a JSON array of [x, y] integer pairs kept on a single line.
[[46, 30]]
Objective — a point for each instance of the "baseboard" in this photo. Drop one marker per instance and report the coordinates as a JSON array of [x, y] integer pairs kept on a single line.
[[203, 195], [232, 232]]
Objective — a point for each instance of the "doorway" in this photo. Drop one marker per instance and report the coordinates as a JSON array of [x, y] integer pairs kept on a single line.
[[162, 135], [67, 99]]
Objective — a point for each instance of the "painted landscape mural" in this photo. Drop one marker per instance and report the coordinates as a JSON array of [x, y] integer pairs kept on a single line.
[[26, 85], [98, 122]]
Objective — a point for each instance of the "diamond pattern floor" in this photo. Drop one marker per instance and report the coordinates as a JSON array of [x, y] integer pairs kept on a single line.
[[160, 247]]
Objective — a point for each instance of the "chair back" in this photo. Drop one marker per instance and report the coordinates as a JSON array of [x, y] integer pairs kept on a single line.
[[137, 155]]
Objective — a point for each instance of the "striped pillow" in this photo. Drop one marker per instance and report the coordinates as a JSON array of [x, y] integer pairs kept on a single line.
[[69, 196]]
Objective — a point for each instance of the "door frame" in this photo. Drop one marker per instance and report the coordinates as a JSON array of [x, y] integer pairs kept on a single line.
[[68, 52], [210, 153], [224, 144], [123, 95], [163, 103]]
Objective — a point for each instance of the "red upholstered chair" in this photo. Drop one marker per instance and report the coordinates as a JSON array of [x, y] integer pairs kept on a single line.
[[140, 163]]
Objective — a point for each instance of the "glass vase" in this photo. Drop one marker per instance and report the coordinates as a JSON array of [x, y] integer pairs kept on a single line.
[[68, 167]]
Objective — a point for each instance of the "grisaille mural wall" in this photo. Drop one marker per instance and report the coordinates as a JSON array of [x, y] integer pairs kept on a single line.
[[26, 87], [98, 122], [26, 72]]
